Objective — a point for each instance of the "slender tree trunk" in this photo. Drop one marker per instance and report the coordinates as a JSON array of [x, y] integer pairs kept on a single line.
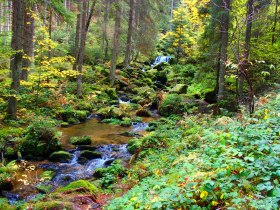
[[275, 22], [115, 43], [129, 34], [224, 44], [85, 22], [78, 35], [81, 49], [105, 35], [28, 43], [1, 16], [50, 30], [16, 59], [244, 64]]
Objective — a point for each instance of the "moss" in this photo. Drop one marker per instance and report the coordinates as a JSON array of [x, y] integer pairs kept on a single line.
[[126, 122], [86, 185], [4, 204], [172, 104], [10, 152], [52, 205], [5, 181], [47, 175], [80, 140], [134, 145], [64, 124], [44, 188], [81, 115], [60, 156], [72, 120], [90, 154]]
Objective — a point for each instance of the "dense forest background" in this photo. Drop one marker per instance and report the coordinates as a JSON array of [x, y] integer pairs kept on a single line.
[[63, 62]]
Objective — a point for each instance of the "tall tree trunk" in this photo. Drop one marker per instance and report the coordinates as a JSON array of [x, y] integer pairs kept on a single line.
[[115, 43], [225, 18], [16, 59], [1, 15], [85, 22], [50, 30], [105, 35], [78, 35], [28, 43], [81, 48], [129, 34], [244, 63], [275, 22]]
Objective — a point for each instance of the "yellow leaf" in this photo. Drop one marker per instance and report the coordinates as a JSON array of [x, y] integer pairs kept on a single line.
[[133, 199], [214, 203], [222, 196], [203, 194]]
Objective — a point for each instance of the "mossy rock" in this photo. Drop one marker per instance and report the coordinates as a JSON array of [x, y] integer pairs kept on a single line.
[[143, 113], [4, 204], [172, 104], [126, 122], [90, 154], [85, 185], [64, 124], [134, 145], [52, 205], [111, 112], [72, 120], [60, 156], [112, 93], [10, 153], [44, 188], [47, 175], [179, 89], [80, 140], [5, 181], [81, 115]]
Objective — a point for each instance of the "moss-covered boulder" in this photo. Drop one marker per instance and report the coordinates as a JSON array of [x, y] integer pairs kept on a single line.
[[134, 145], [60, 156], [90, 154], [80, 140], [81, 185], [111, 112], [51, 205], [179, 89], [5, 181], [172, 104]]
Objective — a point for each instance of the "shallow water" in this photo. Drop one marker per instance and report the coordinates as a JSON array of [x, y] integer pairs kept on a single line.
[[101, 133]]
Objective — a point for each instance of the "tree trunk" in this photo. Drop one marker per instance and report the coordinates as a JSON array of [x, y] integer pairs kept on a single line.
[[78, 34], [225, 18], [275, 22], [28, 43], [50, 30], [244, 63], [16, 59], [129, 34], [105, 35], [115, 43], [82, 47]]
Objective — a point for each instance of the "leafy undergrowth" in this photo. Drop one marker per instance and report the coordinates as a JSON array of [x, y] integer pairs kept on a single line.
[[202, 162]]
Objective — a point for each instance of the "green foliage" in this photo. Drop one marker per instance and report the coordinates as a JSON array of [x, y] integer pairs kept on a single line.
[[40, 140], [80, 140], [109, 175], [172, 104], [209, 165]]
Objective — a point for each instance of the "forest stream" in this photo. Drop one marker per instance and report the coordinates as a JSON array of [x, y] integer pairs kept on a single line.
[[108, 141]]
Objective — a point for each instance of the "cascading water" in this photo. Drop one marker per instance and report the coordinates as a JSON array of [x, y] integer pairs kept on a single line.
[[161, 59]]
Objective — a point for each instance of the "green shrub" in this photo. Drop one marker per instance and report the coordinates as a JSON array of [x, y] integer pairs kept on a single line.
[[134, 145], [41, 139], [172, 104], [80, 140]]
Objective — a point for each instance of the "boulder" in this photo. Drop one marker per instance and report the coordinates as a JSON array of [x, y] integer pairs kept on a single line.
[[60, 156]]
